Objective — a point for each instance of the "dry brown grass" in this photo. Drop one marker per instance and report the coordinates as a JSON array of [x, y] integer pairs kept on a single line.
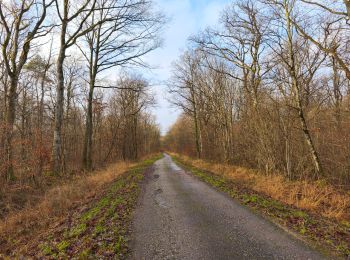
[[317, 197], [57, 202]]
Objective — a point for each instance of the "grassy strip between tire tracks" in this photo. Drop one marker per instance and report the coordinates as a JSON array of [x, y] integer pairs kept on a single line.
[[329, 236]]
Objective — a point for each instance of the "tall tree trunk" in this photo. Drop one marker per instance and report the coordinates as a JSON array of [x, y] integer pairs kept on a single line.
[[93, 71], [10, 121], [59, 109], [297, 92]]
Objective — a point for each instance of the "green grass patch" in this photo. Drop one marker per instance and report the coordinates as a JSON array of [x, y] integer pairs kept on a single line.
[[46, 249], [90, 214], [100, 228], [62, 246], [78, 230], [119, 244]]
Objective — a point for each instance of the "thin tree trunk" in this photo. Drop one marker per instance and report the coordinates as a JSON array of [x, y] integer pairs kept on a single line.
[[135, 138], [337, 93], [196, 126], [309, 140], [124, 142], [23, 126], [59, 109], [87, 152], [288, 157], [198, 146]]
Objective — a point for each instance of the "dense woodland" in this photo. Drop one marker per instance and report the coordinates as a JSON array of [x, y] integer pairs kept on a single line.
[[268, 88], [60, 109]]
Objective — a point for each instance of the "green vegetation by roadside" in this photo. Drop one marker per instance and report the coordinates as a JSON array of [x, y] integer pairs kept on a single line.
[[329, 236], [101, 228]]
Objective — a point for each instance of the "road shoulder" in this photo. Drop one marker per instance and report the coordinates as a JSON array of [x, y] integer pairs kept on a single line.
[[101, 228], [325, 235]]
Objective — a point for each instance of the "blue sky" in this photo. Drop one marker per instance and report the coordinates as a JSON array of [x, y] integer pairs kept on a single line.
[[186, 17]]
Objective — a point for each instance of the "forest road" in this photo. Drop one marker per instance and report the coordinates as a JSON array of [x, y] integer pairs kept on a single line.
[[180, 217]]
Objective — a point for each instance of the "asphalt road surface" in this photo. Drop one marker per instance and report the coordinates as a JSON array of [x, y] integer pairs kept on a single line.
[[180, 217]]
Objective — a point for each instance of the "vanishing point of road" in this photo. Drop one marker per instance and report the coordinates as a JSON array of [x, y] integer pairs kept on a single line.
[[180, 217]]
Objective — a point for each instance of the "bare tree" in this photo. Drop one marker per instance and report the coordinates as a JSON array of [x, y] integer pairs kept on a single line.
[[73, 17], [241, 43], [332, 37], [271, 89], [133, 99], [185, 87], [122, 40], [22, 23], [38, 70]]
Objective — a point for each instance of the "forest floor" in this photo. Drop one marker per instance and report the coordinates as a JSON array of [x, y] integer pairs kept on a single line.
[[329, 235], [98, 226]]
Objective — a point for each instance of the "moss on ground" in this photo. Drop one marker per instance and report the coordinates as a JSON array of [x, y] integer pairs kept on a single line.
[[327, 235]]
